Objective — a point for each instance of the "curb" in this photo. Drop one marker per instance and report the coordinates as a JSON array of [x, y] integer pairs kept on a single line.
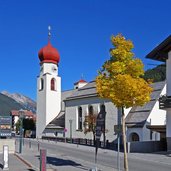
[[24, 161]]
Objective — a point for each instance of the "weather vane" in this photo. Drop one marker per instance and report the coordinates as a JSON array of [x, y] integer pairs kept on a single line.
[[49, 32]]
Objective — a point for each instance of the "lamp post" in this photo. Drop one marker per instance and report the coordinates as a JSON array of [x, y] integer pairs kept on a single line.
[[21, 114], [70, 122], [118, 136]]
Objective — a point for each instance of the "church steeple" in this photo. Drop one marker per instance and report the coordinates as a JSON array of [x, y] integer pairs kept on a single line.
[[49, 54], [48, 87]]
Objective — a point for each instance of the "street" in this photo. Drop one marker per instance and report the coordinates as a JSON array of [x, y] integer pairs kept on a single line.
[[76, 155]]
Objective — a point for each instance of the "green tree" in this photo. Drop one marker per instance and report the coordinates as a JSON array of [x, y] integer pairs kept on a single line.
[[29, 124], [156, 74], [120, 81], [18, 124]]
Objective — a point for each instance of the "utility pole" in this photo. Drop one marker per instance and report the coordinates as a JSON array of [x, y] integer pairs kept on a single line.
[[70, 122], [118, 136]]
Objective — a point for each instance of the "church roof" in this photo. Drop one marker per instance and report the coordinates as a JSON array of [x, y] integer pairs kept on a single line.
[[138, 115], [89, 90], [80, 81], [59, 120]]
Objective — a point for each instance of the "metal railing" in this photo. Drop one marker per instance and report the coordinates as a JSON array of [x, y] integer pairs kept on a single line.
[[83, 141]]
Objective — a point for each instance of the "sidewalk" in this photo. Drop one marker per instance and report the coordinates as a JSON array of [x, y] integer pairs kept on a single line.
[[15, 164]]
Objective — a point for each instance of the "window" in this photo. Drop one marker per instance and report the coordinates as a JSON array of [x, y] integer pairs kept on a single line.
[[151, 135], [41, 84], [90, 110], [79, 118], [102, 108], [53, 81], [134, 137]]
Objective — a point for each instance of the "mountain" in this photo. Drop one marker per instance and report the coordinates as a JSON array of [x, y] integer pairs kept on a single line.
[[7, 104], [24, 101], [156, 74]]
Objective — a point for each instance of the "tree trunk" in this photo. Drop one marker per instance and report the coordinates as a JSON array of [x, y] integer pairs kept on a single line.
[[124, 141]]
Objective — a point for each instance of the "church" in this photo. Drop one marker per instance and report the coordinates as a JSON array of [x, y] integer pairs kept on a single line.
[[63, 114]]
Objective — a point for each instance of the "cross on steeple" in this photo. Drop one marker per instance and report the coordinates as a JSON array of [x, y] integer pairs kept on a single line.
[[49, 32]]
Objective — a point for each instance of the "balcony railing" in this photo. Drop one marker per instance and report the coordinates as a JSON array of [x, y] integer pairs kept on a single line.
[[164, 102]]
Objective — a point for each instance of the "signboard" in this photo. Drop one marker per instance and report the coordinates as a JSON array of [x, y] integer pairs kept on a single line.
[[100, 128], [117, 129], [100, 124], [5, 126]]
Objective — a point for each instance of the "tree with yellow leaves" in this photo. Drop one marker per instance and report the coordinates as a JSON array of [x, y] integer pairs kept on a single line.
[[120, 81]]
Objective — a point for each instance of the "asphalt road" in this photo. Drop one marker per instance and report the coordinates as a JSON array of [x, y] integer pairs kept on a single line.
[[137, 162]]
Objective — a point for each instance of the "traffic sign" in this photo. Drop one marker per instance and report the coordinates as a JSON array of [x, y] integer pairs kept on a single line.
[[117, 129]]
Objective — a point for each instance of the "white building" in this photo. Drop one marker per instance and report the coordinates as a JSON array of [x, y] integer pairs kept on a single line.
[[148, 122], [16, 116], [163, 53]]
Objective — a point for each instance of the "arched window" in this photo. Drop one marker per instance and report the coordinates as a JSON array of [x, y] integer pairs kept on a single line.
[[134, 137], [41, 84], [80, 118], [53, 81], [90, 110], [102, 108]]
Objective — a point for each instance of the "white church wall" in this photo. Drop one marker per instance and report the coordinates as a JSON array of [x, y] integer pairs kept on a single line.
[[53, 99], [111, 120], [146, 134], [49, 68], [41, 108], [71, 111]]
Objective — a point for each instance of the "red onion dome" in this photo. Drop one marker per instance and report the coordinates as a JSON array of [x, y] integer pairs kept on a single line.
[[49, 54], [80, 81]]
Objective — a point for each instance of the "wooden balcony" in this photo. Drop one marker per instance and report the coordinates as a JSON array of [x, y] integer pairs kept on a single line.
[[165, 102]]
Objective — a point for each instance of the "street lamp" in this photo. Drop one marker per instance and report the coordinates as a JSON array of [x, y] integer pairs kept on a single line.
[[118, 136], [21, 114], [70, 122]]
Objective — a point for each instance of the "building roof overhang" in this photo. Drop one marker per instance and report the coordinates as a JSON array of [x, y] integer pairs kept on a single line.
[[157, 128], [160, 53]]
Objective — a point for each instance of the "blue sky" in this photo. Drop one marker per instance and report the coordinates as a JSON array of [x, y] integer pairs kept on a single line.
[[81, 31]]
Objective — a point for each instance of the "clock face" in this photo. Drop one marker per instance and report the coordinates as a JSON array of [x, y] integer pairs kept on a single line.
[[54, 68]]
